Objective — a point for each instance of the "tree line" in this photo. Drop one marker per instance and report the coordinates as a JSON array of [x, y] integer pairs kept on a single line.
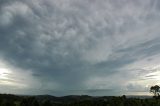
[[13, 100]]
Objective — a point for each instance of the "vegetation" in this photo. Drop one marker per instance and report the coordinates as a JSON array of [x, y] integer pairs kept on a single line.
[[84, 100], [155, 90], [46, 100]]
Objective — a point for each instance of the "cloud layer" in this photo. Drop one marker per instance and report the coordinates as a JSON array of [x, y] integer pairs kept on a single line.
[[79, 46]]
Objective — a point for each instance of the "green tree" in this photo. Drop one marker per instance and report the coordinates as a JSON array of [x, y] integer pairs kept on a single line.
[[47, 103], [7, 103], [155, 90]]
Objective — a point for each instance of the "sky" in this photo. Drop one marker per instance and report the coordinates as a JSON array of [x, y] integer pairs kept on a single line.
[[79, 47]]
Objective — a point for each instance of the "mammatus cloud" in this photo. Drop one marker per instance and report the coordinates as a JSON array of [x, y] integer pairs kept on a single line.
[[77, 47]]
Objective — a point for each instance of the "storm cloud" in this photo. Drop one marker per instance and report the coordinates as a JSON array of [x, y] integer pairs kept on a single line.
[[64, 47]]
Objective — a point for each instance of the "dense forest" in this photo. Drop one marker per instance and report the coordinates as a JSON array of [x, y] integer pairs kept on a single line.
[[84, 100]]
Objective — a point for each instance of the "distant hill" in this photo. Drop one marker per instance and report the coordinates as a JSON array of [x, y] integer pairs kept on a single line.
[[77, 100]]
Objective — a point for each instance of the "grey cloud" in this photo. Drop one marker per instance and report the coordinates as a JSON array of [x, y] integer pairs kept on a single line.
[[68, 41], [143, 50]]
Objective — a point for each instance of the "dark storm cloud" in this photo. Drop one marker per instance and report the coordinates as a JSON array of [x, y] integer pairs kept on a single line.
[[18, 46], [66, 43]]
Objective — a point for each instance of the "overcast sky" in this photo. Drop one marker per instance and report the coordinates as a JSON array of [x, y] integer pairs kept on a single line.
[[65, 47]]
